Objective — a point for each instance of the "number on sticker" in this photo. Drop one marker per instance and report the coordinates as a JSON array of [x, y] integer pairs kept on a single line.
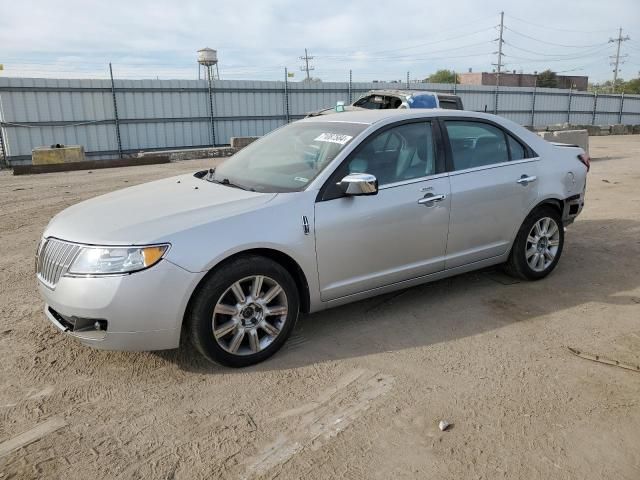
[[333, 138]]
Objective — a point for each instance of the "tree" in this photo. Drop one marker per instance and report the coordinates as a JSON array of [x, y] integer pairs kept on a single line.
[[443, 76], [632, 86], [547, 79]]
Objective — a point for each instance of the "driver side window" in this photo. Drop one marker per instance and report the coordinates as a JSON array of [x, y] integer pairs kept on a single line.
[[400, 153]]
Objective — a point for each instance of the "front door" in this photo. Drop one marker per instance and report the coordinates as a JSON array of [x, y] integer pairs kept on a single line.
[[363, 243]]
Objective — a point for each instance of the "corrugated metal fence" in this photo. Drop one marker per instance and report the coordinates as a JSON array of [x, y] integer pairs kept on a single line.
[[165, 114]]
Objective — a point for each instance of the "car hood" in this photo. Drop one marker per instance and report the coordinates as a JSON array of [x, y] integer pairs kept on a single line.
[[151, 212]]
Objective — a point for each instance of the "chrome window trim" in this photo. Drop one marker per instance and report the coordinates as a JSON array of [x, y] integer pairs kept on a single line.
[[413, 180], [493, 165]]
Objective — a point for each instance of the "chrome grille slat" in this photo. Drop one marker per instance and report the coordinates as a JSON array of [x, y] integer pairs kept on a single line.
[[54, 260], [57, 271], [47, 258], [55, 250]]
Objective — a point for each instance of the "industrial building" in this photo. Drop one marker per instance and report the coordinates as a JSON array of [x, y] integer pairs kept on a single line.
[[513, 79]]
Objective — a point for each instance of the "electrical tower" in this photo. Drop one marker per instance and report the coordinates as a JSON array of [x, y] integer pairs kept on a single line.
[[306, 67], [500, 41], [616, 62]]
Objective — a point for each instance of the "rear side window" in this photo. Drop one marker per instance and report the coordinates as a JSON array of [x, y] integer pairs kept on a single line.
[[378, 102], [476, 144], [517, 150], [450, 104]]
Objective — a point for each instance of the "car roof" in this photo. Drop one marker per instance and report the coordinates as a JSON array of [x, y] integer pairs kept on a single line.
[[370, 117], [407, 93]]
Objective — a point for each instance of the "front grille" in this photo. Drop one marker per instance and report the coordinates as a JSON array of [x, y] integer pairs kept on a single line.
[[54, 259]]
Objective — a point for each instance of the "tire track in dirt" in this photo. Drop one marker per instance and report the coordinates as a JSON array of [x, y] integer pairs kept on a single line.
[[322, 419]]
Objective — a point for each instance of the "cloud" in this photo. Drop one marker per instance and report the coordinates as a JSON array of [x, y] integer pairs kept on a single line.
[[258, 39]]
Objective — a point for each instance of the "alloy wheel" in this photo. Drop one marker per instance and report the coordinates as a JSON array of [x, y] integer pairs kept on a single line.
[[249, 315], [542, 244]]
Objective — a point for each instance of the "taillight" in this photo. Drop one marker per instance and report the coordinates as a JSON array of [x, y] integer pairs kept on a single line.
[[585, 159]]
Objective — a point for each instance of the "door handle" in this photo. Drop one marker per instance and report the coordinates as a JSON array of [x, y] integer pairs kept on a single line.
[[429, 199], [525, 180]]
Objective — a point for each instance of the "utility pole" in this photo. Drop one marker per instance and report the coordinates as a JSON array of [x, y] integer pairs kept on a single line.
[[306, 67], [500, 41], [616, 63]]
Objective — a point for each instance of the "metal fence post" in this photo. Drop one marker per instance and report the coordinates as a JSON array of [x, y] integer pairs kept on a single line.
[[533, 105], [595, 107], [455, 81], [495, 101], [569, 107], [286, 94], [213, 128], [407, 80], [621, 107], [350, 87], [5, 162], [115, 112]]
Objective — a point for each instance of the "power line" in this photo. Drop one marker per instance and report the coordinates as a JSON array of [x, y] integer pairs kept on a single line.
[[537, 25], [555, 55], [447, 39], [554, 44]]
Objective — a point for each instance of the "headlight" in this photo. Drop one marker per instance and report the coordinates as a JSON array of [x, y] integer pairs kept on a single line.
[[104, 260]]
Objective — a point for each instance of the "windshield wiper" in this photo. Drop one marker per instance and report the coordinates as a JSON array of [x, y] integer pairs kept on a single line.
[[225, 181]]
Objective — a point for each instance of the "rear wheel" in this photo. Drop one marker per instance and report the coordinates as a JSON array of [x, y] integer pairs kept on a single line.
[[538, 245], [244, 312]]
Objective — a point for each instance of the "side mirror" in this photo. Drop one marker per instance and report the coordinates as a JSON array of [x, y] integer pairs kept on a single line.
[[358, 184]]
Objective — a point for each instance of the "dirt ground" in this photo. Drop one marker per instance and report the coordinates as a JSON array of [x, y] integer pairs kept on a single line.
[[358, 391]]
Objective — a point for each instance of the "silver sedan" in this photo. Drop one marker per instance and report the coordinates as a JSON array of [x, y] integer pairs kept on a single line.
[[318, 213]]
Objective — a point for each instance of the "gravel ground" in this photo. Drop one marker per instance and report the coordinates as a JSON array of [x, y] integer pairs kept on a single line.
[[358, 391]]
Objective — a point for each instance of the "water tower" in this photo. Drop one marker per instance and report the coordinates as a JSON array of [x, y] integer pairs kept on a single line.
[[208, 57]]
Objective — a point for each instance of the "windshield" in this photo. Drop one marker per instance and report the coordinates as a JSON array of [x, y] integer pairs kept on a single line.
[[288, 159]]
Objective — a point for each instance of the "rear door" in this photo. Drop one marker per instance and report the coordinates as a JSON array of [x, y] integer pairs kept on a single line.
[[493, 179]]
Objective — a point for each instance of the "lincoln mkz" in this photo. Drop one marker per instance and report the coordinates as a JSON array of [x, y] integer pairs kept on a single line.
[[321, 212]]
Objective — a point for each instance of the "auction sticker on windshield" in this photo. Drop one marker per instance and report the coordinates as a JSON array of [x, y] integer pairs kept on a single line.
[[333, 138]]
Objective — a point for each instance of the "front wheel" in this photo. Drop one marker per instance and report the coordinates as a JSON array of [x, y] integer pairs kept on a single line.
[[244, 312], [538, 245]]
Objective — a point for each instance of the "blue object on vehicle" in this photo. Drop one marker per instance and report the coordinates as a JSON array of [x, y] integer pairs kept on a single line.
[[426, 100]]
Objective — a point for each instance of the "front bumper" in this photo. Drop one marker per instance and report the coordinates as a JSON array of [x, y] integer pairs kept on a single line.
[[138, 311]]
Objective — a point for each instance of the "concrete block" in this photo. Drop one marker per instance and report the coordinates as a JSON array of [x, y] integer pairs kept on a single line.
[[592, 130], [61, 154], [636, 129], [628, 129], [617, 129], [241, 142], [605, 131], [548, 136], [192, 153], [573, 137], [557, 127]]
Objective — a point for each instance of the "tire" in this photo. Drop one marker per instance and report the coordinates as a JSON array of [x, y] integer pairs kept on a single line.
[[245, 332], [540, 237]]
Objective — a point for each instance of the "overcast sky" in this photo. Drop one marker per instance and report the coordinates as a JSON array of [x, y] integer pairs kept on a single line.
[[256, 40]]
